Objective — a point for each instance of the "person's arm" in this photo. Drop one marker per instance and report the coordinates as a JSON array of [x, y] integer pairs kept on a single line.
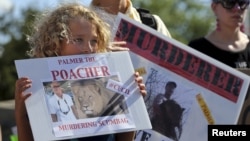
[[161, 27], [23, 129], [126, 136], [22, 122]]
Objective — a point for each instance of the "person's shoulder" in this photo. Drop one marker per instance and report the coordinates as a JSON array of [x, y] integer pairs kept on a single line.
[[52, 99], [66, 95], [158, 20], [147, 17], [160, 95], [157, 17], [161, 27], [152, 20], [197, 42]]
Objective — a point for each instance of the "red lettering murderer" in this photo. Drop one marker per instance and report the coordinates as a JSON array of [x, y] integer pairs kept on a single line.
[[80, 73], [179, 61]]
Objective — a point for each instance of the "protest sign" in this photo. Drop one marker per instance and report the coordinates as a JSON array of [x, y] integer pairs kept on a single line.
[[206, 91], [104, 82]]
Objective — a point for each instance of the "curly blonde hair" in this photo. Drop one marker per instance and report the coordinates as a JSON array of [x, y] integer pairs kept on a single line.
[[52, 27]]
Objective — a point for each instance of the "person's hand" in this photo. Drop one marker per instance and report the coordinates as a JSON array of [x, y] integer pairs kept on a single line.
[[22, 121], [141, 85], [117, 46], [21, 85]]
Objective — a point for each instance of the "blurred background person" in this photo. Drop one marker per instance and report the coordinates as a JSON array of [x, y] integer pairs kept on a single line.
[[112, 7], [227, 43]]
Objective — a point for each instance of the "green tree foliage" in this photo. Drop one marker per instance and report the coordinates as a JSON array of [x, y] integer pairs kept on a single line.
[[12, 29], [185, 19]]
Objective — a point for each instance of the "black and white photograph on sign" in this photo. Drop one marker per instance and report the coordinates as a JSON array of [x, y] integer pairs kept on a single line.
[[168, 103], [79, 99]]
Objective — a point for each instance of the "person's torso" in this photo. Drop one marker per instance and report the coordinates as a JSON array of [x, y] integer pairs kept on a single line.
[[233, 59], [62, 108], [109, 137]]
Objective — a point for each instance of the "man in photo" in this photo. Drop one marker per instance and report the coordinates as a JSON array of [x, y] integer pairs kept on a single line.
[[167, 113], [169, 90], [61, 105]]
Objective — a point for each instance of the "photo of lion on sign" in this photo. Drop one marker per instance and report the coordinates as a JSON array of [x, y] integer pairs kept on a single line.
[[93, 99]]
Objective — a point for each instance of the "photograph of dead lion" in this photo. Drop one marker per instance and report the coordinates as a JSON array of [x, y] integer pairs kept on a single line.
[[93, 99]]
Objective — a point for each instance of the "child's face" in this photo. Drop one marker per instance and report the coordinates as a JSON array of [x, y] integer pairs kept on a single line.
[[84, 38]]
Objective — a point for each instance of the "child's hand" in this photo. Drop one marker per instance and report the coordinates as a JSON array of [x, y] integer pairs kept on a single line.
[[141, 85], [22, 84], [117, 46]]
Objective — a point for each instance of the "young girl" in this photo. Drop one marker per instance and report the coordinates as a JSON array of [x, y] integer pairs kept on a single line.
[[68, 30]]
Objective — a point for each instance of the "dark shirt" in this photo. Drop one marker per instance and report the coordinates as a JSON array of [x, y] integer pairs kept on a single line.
[[95, 138], [233, 59]]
